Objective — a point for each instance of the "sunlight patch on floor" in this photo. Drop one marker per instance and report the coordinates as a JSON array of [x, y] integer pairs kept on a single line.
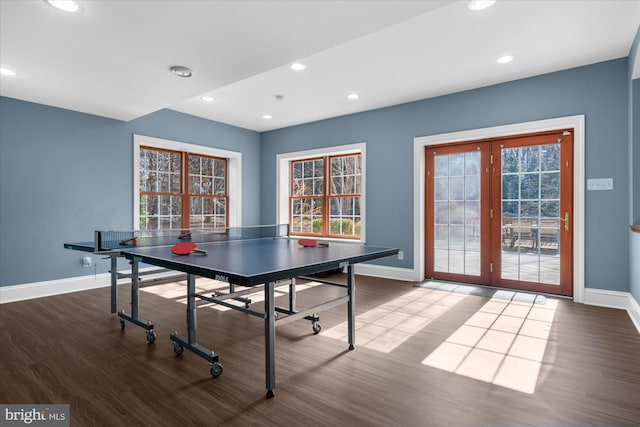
[[386, 327], [503, 343]]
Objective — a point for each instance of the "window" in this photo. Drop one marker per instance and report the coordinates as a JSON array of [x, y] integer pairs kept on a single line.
[[207, 192], [181, 190], [325, 196], [160, 189], [179, 185]]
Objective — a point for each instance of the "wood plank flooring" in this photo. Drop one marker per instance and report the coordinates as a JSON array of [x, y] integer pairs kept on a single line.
[[70, 349]]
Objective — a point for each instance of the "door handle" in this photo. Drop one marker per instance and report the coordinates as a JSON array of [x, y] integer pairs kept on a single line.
[[566, 221]]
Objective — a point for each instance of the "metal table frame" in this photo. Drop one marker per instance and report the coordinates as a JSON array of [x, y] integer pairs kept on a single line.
[[265, 281], [270, 314]]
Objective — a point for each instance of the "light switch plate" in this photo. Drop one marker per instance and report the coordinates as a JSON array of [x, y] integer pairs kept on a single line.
[[599, 184]]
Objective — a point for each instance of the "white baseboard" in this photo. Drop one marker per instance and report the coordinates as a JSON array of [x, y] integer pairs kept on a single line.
[[614, 299], [73, 284], [634, 311], [384, 272], [53, 287], [604, 298]]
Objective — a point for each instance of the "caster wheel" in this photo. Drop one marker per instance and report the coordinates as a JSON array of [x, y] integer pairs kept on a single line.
[[151, 336], [177, 348], [216, 369], [316, 327], [122, 324]]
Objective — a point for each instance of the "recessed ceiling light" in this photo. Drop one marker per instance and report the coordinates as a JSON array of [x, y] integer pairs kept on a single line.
[[353, 96], [504, 59], [267, 116], [481, 4], [181, 71], [66, 5], [208, 98], [7, 72], [298, 66]]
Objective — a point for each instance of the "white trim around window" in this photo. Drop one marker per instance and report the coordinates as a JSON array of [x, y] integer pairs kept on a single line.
[[283, 180], [234, 172]]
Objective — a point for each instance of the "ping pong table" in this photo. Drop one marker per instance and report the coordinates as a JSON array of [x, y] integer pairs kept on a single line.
[[254, 258]]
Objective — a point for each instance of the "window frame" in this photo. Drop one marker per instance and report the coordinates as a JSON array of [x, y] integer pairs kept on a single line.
[[321, 197], [188, 195], [169, 193], [284, 167], [233, 173]]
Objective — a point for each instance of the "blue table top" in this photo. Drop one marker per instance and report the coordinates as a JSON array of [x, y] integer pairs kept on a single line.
[[252, 262]]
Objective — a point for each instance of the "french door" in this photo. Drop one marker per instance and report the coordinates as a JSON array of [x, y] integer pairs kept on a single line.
[[499, 212]]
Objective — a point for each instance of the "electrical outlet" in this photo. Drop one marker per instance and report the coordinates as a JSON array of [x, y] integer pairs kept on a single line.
[[400, 255], [600, 184], [86, 261]]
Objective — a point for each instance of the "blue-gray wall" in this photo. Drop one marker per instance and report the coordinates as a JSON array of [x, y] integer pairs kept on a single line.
[[64, 174], [598, 91]]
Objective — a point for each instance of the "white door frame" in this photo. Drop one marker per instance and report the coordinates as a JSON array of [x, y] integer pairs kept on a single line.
[[572, 122]]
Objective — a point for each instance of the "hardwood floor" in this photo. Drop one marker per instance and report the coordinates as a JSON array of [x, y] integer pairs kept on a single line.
[[70, 349]]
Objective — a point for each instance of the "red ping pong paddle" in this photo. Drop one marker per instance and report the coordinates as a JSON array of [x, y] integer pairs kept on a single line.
[[133, 240], [186, 248], [311, 243]]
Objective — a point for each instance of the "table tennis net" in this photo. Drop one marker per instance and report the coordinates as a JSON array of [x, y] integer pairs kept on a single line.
[[111, 240]]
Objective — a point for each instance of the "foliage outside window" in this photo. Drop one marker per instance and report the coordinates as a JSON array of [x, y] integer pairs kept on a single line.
[[531, 182], [182, 190], [325, 196]]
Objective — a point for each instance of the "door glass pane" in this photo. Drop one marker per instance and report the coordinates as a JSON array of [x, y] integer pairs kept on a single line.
[[530, 214], [457, 213]]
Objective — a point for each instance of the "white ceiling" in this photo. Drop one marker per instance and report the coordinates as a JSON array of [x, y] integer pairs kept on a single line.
[[112, 60]]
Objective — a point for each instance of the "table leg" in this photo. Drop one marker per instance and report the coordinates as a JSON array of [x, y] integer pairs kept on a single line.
[[292, 295], [114, 283], [133, 317], [191, 310], [190, 342], [351, 306], [135, 285], [270, 338]]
